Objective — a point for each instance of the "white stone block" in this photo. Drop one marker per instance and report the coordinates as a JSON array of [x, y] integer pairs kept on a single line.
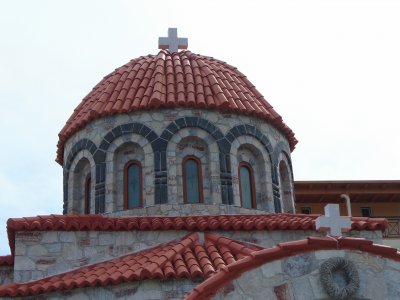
[[37, 250], [23, 263]]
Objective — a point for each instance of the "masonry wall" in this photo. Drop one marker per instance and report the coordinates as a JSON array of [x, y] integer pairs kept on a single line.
[[6, 274], [161, 139], [297, 278], [39, 254]]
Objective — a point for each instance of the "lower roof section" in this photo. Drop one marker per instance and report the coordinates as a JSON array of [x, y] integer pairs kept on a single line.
[[214, 258], [188, 223], [206, 222], [188, 257]]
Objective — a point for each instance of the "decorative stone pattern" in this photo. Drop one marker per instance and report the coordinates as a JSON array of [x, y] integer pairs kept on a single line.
[[193, 142], [83, 166], [115, 184], [147, 290], [42, 253], [350, 276], [165, 137], [285, 184], [298, 277], [247, 149], [80, 147]]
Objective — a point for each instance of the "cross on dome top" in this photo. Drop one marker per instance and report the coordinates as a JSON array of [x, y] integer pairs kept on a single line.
[[172, 42], [332, 221]]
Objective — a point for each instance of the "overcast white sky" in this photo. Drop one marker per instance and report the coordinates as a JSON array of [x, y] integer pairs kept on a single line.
[[330, 68]]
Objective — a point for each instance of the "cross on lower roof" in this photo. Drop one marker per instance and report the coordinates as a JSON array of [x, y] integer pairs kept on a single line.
[[332, 221], [172, 42]]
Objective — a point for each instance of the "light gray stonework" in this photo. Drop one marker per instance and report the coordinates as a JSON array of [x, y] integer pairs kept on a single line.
[[297, 277], [6, 274], [53, 252], [243, 146]]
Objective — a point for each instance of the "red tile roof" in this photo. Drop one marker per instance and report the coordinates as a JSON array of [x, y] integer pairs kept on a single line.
[[208, 288], [7, 260], [185, 258], [218, 260], [191, 223], [168, 80]]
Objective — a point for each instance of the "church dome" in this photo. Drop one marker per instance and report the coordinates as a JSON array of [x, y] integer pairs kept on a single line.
[[170, 80]]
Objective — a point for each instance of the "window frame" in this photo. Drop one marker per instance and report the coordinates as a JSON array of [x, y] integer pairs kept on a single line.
[[252, 184], [366, 208], [306, 208], [199, 178], [126, 168], [87, 191]]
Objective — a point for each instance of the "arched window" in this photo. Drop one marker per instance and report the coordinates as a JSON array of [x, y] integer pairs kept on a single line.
[[285, 188], [246, 185], [88, 194], [192, 180], [133, 184]]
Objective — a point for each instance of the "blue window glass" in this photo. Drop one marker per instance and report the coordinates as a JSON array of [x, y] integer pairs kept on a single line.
[[192, 181], [88, 194], [133, 186], [245, 187]]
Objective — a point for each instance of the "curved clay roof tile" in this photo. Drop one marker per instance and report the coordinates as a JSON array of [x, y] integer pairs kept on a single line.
[[168, 80]]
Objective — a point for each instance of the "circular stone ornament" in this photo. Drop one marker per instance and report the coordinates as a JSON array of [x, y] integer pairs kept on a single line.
[[350, 271]]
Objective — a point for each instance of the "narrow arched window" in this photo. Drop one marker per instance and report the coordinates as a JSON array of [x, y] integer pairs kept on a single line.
[[246, 185], [192, 180], [133, 184], [88, 194]]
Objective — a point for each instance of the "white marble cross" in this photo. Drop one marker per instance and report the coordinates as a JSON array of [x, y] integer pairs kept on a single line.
[[172, 42], [332, 221]]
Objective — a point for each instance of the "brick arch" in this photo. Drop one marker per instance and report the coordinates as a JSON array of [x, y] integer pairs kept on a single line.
[[83, 144], [160, 158], [100, 155], [261, 163], [175, 158], [280, 148], [250, 130]]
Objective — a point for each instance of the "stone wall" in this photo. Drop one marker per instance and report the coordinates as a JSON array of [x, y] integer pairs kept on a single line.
[[297, 277], [39, 254], [6, 274], [144, 290], [186, 210], [166, 136]]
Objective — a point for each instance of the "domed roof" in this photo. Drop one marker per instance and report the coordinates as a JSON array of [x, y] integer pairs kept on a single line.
[[167, 80]]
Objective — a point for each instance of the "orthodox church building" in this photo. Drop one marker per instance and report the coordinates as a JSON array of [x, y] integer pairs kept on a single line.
[[178, 184]]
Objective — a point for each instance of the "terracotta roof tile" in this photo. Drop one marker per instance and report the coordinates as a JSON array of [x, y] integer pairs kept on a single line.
[[167, 79], [191, 223], [185, 258], [6, 260]]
